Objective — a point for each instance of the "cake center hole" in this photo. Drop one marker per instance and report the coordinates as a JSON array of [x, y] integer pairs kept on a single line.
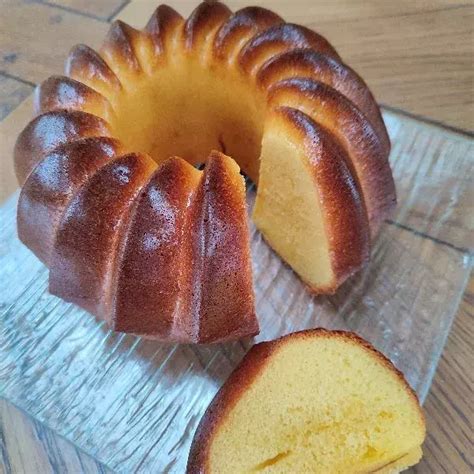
[[186, 110]]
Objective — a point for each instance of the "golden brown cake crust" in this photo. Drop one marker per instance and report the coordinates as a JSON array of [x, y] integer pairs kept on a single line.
[[243, 24], [280, 38], [86, 63], [161, 25], [179, 216], [90, 230], [206, 18], [247, 372], [50, 130], [155, 258], [352, 130], [222, 255], [309, 64], [64, 93], [40, 205], [119, 43]]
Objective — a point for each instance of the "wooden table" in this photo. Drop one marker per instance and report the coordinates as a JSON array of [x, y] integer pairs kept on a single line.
[[416, 56]]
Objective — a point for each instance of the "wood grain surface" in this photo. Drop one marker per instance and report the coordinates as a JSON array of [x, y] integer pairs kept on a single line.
[[416, 56]]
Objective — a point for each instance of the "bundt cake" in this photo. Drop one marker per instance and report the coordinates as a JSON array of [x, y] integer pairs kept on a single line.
[[313, 401], [155, 246]]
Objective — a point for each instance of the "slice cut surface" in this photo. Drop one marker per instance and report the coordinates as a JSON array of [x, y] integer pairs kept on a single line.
[[314, 401], [309, 206]]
